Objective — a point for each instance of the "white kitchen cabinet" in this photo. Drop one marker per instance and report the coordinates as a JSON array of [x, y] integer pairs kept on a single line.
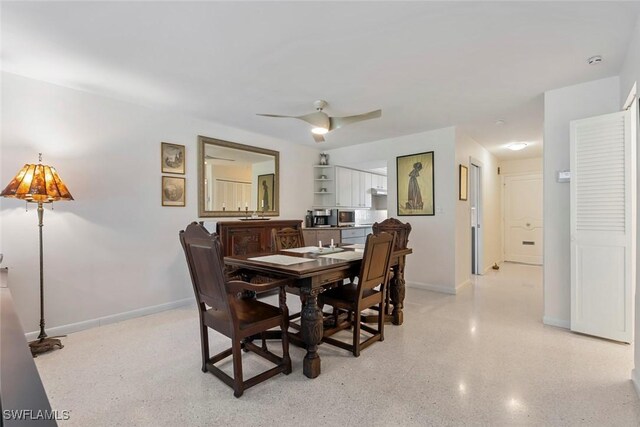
[[379, 182], [365, 189], [343, 187], [353, 188]]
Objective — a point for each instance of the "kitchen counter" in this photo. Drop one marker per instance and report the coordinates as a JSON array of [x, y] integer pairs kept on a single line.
[[340, 228]]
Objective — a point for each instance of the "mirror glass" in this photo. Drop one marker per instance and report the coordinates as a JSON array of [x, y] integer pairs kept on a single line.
[[236, 179]]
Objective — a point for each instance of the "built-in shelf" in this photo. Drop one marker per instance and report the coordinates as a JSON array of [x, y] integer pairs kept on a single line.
[[323, 179], [323, 192], [323, 166]]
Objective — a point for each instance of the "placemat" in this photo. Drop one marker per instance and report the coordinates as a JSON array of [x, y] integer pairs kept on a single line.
[[281, 259], [304, 250], [346, 255], [354, 246]]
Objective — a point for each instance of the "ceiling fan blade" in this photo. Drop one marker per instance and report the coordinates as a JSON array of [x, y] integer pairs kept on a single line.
[[277, 115], [317, 138], [338, 122], [318, 119]]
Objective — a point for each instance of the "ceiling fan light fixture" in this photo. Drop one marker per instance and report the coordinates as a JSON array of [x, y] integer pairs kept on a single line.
[[517, 146], [319, 130]]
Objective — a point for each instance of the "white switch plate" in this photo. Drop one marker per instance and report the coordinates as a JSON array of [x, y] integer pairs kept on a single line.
[[564, 176], [439, 209]]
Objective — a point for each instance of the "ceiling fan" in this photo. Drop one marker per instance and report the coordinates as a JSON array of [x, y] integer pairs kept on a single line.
[[323, 123]]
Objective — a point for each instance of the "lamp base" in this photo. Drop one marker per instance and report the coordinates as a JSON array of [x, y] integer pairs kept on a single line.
[[44, 345]]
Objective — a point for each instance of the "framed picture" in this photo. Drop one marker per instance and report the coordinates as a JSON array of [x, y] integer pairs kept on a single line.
[[415, 184], [173, 191], [464, 182], [173, 158], [265, 192]]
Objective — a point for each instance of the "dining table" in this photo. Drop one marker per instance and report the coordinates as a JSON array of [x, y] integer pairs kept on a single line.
[[313, 269]]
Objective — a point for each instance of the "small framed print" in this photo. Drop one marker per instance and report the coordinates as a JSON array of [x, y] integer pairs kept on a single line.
[[463, 174], [265, 192], [173, 158], [173, 191]]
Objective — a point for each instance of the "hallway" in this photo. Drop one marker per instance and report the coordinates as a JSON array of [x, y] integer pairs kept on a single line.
[[482, 357]]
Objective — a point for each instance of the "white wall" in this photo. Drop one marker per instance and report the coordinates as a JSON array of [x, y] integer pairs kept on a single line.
[[432, 264], [467, 148], [521, 166], [560, 107], [629, 75], [114, 249]]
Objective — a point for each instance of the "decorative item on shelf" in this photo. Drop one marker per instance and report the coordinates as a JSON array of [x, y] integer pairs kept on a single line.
[[173, 191], [38, 183], [173, 158], [323, 190], [324, 159], [323, 176], [415, 184], [463, 175]]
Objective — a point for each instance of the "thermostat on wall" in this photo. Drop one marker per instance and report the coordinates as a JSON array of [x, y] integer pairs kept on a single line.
[[564, 176]]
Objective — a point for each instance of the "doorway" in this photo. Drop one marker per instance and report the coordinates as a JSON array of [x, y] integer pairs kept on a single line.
[[475, 200], [523, 226]]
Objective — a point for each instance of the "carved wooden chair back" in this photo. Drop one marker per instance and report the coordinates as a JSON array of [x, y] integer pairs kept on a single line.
[[394, 226], [287, 238], [374, 270], [206, 267]]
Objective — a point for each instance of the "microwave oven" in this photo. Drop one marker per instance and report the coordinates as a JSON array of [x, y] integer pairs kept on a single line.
[[346, 217]]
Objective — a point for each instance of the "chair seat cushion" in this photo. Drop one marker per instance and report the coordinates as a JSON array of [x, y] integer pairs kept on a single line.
[[249, 311], [346, 293]]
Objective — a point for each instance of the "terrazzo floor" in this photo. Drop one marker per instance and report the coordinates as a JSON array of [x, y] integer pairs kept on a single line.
[[479, 358]]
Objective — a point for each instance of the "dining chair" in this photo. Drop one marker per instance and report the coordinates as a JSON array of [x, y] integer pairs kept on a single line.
[[287, 238], [401, 231], [356, 297], [221, 309]]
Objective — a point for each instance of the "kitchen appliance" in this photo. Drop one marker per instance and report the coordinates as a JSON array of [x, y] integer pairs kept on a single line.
[[325, 218], [346, 217], [308, 219]]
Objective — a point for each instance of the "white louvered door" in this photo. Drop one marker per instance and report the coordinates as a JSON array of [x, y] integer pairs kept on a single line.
[[603, 226]]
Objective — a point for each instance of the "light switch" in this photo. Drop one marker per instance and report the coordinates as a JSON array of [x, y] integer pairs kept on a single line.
[[439, 209], [564, 176]]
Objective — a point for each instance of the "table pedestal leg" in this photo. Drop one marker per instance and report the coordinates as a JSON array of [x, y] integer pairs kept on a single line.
[[311, 323], [397, 292]]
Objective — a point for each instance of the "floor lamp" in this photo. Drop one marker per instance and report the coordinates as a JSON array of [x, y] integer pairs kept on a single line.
[[38, 183]]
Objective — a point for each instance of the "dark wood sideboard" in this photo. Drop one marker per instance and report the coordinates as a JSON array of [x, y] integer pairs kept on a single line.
[[250, 237]]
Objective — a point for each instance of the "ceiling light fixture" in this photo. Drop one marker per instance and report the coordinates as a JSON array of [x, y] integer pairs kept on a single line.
[[320, 131], [499, 122], [594, 60], [517, 146]]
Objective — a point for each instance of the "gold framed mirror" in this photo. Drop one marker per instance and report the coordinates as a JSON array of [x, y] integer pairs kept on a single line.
[[237, 180]]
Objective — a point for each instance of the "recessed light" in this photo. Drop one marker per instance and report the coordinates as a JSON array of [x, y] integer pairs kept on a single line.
[[517, 146], [320, 131], [500, 122], [594, 60]]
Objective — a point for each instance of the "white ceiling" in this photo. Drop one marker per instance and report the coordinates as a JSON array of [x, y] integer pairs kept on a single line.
[[426, 64]]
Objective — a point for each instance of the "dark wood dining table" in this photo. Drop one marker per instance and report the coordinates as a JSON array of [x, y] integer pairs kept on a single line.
[[311, 278]]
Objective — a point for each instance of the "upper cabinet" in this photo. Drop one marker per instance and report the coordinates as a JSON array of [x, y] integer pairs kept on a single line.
[[345, 188]]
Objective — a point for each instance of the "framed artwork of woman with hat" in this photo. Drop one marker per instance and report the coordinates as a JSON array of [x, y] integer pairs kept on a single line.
[[415, 184]]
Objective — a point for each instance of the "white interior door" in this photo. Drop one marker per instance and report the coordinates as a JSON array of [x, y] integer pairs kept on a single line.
[[523, 219], [603, 226]]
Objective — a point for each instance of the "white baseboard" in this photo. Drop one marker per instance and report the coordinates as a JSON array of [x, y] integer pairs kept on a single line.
[[560, 323], [635, 379], [430, 287], [113, 318]]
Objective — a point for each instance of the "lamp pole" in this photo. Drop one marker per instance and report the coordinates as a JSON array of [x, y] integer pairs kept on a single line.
[[43, 334]]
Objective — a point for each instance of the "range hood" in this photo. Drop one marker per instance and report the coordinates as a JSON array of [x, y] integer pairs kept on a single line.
[[379, 191]]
